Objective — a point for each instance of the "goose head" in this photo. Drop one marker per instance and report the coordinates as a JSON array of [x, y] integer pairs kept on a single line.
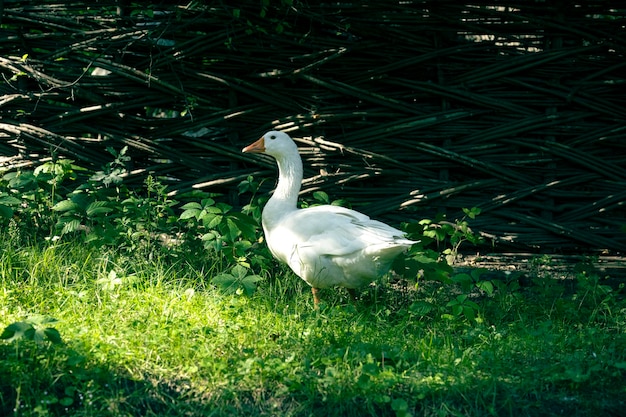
[[285, 198], [273, 143]]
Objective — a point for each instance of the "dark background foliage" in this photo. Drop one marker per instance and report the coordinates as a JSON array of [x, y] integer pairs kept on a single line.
[[419, 106]]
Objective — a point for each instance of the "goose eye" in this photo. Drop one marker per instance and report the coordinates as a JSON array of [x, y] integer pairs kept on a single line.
[[273, 137]]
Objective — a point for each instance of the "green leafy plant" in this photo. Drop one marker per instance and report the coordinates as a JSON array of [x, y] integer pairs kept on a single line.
[[223, 230], [89, 207], [593, 295], [401, 407], [426, 262], [105, 212], [84, 212], [30, 194], [255, 207], [114, 171], [473, 279], [238, 281], [422, 262], [36, 328], [56, 172], [542, 276], [145, 218], [7, 205], [462, 306], [113, 281], [455, 233], [321, 198]]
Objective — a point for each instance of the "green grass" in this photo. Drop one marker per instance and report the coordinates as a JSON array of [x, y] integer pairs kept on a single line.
[[148, 335]]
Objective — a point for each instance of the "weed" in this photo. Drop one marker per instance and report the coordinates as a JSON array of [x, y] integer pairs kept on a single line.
[[225, 231], [29, 195], [36, 328], [462, 305], [238, 280], [455, 233]]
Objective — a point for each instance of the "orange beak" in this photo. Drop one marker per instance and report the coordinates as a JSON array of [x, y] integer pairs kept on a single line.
[[256, 147]]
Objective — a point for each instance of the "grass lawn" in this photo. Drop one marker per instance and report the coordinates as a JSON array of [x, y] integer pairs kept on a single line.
[[150, 336]]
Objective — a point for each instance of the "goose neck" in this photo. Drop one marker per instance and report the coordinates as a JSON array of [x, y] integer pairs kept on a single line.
[[289, 180]]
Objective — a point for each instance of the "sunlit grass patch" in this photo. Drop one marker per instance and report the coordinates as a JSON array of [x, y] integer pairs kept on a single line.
[[153, 336]]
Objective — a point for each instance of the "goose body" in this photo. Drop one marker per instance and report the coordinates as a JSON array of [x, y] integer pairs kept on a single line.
[[326, 246]]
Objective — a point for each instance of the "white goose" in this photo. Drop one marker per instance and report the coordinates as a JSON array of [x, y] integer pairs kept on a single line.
[[325, 245]]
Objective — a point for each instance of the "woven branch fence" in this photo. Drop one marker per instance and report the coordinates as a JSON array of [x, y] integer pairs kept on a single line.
[[405, 108]]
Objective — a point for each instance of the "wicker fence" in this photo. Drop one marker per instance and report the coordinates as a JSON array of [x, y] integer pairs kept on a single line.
[[406, 109]]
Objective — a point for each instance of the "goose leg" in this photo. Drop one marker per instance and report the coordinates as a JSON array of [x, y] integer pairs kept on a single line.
[[316, 298]]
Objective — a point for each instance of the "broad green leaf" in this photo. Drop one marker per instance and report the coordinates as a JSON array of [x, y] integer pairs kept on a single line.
[[233, 230], [249, 283], [18, 330], [461, 298], [93, 237], [6, 211], [207, 202], [246, 225], [189, 213], [211, 221], [421, 308], [469, 313], [192, 205], [486, 286], [457, 309], [212, 210], [41, 320], [462, 278], [241, 246], [81, 199], [239, 271], [424, 259], [65, 205], [8, 200], [211, 235], [321, 196], [98, 207], [225, 282], [399, 405], [52, 335], [223, 207], [477, 273], [438, 273], [39, 336], [66, 401], [71, 226], [20, 179]]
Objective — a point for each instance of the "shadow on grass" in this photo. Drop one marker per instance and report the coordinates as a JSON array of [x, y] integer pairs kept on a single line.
[[55, 380], [42, 379], [62, 380]]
